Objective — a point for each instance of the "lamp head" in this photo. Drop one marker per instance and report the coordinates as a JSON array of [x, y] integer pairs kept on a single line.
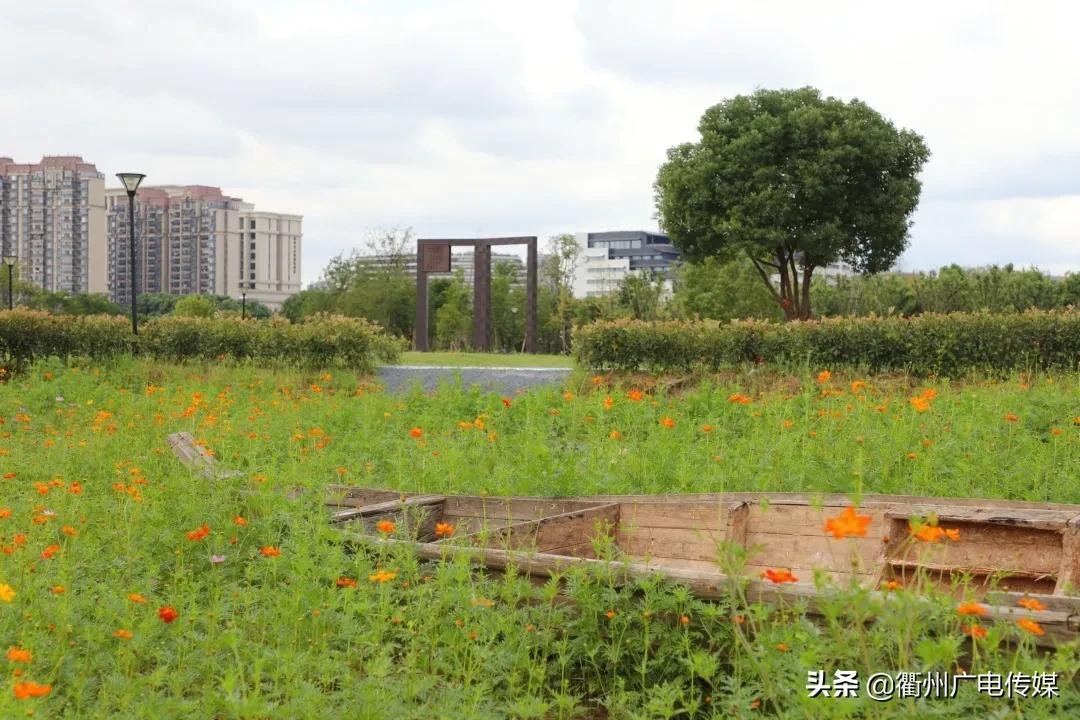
[[131, 181], [10, 260]]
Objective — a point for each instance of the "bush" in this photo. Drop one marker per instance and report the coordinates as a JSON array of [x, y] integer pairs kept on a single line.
[[322, 341], [941, 344]]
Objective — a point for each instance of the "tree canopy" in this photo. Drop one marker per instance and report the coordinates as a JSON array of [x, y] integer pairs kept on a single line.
[[795, 182]]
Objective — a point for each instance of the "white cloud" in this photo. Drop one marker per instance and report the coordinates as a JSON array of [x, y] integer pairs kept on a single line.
[[486, 118]]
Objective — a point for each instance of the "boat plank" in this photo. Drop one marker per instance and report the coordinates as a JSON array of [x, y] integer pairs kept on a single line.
[[851, 555], [991, 516], [694, 516], [511, 508], [1069, 571], [1014, 559], [806, 520], [386, 507]]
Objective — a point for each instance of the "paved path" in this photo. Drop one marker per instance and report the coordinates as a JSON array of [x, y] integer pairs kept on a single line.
[[495, 379]]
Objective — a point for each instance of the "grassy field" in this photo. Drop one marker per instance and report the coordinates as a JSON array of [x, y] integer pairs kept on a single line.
[[477, 359], [130, 587]]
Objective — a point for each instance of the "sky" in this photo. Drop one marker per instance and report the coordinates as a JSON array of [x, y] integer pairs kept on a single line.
[[476, 119]]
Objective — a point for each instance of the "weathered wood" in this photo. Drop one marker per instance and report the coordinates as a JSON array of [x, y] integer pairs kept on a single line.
[[1042, 519], [196, 457], [1059, 625], [1069, 571], [566, 530], [384, 508]]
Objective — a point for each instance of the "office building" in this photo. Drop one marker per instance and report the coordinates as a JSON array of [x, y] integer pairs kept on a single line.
[[606, 258]]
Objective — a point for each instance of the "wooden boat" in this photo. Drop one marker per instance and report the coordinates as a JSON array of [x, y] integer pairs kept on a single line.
[[1003, 551], [998, 552]]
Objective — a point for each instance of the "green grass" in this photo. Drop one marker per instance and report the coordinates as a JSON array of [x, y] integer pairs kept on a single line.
[[260, 636], [473, 359]]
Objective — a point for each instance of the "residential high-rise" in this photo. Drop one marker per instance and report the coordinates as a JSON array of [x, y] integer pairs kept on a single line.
[[52, 218], [195, 239]]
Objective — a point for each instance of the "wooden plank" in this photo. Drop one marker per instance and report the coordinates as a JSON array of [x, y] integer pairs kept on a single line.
[[1069, 570], [850, 555], [384, 508], [196, 457], [1017, 559], [806, 520], [1060, 626], [1020, 518], [570, 529], [695, 516], [336, 498], [511, 508], [981, 570]]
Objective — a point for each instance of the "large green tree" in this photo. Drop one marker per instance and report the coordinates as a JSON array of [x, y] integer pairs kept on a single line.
[[794, 182]]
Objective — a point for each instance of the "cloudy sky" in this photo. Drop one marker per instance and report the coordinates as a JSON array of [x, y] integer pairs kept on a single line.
[[476, 119]]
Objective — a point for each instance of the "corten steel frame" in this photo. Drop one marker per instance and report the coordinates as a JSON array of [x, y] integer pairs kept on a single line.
[[433, 255]]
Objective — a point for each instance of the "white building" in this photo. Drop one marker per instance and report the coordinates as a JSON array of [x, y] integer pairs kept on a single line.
[[606, 258]]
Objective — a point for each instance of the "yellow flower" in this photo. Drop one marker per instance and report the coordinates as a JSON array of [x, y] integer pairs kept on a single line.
[[7, 593]]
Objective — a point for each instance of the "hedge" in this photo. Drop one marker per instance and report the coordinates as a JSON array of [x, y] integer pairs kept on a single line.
[[939, 344], [322, 341]]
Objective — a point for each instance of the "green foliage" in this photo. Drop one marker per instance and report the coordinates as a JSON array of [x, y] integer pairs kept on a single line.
[[453, 318], [321, 341], [940, 344], [193, 306], [951, 289], [796, 182], [277, 637], [719, 290]]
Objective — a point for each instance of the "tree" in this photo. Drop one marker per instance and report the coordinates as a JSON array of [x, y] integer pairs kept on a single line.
[[721, 291], [557, 269], [453, 322], [195, 306], [794, 182]]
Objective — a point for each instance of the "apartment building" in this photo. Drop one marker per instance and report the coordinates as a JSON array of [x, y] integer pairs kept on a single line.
[[606, 258], [196, 239], [52, 218]]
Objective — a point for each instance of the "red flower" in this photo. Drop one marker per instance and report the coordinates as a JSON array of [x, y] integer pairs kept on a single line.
[[779, 576], [167, 613], [416, 432], [198, 533]]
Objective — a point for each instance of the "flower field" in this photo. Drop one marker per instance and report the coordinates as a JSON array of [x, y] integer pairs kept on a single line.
[[131, 587]]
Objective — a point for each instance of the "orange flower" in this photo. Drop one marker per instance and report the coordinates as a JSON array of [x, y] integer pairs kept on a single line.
[[857, 386], [167, 613], [782, 647], [952, 533], [19, 655], [788, 424], [847, 524], [597, 380], [58, 589], [385, 526], [971, 608], [1031, 626], [25, 690], [416, 432], [568, 396], [707, 428], [893, 585], [269, 551], [635, 395], [824, 376], [975, 630], [240, 520], [609, 402], [610, 614], [49, 552], [920, 404], [5, 512], [382, 576], [932, 533], [68, 530], [136, 598], [615, 435], [667, 422], [198, 533], [1030, 603], [124, 634], [779, 576], [684, 619], [444, 529], [345, 582], [1011, 417], [739, 399], [507, 402]]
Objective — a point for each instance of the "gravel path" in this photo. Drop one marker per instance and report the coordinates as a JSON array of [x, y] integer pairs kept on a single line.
[[494, 379]]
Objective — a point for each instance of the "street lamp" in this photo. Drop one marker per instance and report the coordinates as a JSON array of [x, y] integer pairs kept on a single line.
[[10, 261], [243, 305], [131, 184]]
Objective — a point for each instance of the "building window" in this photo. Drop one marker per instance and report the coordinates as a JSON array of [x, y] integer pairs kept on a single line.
[[251, 236], [251, 266], [252, 225]]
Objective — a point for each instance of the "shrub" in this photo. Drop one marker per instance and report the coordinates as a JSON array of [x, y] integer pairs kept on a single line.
[[942, 344], [322, 341]]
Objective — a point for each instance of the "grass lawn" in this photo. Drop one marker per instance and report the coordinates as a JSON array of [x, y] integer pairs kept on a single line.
[[473, 359], [130, 587]]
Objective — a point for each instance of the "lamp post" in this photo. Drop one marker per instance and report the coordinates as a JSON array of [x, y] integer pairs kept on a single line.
[[10, 261], [243, 305], [131, 184]]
